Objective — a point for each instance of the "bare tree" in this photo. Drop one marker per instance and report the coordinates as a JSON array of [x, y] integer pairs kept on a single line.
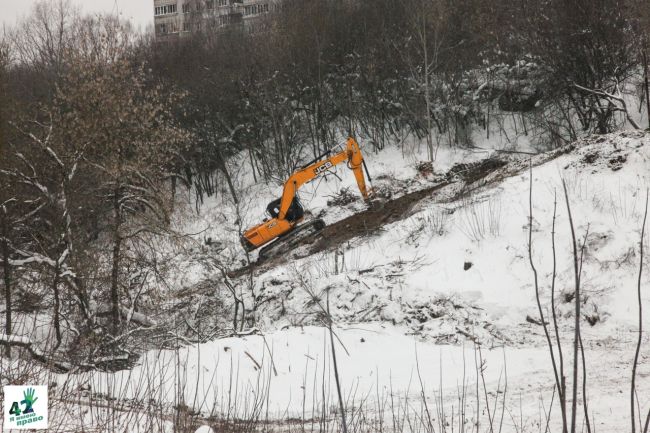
[[584, 43], [94, 158], [52, 196], [640, 338], [132, 145], [4, 223], [428, 25], [44, 37], [611, 103], [558, 371], [6, 270], [576, 337]]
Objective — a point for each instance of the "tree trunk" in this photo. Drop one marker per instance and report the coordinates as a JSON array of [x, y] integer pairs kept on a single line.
[[427, 92], [5, 229], [5, 103], [576, 336], [646, 83], [231, 186], [6, 268], [173, 200], [117, 251], [250, 155], [235, 316], [79, 289], [57, 302]]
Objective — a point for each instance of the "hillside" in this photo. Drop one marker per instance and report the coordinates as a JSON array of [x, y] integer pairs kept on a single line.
[[446, 277]]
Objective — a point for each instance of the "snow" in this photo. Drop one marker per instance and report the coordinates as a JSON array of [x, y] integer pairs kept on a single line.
[[296, 365], [453, 273], [15, 339], [447, 280]]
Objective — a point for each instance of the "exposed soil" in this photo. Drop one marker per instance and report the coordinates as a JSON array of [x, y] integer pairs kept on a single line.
[[360, 224], [370, 220]]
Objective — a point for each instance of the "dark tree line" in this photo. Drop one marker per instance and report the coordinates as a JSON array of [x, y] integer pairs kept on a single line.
[[316, 70]]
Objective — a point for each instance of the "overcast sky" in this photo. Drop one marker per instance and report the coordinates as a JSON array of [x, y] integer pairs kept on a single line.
[[140, 12]]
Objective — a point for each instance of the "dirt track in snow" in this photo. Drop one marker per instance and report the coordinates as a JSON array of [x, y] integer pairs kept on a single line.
[[360, 224], [369, 221], [378, 215]]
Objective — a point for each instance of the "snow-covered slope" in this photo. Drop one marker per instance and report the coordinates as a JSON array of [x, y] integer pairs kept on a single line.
[[451, 278]]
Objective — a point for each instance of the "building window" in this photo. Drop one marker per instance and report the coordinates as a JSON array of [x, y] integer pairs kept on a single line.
[[165, 10], [256, 9], [209, 4], [186, 8], [162, 29], [223, 2]]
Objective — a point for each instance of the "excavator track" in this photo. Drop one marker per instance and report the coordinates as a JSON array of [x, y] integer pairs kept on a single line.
[[287, 242]]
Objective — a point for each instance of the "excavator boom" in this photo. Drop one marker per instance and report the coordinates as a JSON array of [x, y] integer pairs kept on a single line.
[[287, 212], [351, 154]]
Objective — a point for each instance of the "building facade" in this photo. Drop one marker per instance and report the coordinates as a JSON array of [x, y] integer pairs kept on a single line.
[[176, 18]]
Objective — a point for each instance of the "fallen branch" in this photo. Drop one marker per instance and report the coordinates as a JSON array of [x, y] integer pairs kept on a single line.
[[259, 367], [534, 321], [251, 331], [471, 337], [35, 352]]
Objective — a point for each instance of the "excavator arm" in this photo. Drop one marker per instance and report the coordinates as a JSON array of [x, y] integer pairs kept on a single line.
[[351, 154], [281, 225]]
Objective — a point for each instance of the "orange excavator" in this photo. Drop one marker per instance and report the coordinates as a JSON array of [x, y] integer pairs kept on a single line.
[[282, 231]]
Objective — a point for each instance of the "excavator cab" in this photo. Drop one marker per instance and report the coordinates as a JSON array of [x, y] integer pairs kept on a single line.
[[295, 213]]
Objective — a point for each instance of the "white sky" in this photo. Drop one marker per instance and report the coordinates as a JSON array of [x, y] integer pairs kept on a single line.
[[139, 12]]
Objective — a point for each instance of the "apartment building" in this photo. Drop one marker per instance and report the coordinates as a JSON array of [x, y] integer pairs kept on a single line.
[[176, 18]]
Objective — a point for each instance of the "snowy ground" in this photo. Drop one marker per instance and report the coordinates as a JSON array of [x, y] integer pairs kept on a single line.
[[451, 273], [451, 278]]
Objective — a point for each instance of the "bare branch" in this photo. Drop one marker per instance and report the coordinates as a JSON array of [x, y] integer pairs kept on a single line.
[[610, 97]]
